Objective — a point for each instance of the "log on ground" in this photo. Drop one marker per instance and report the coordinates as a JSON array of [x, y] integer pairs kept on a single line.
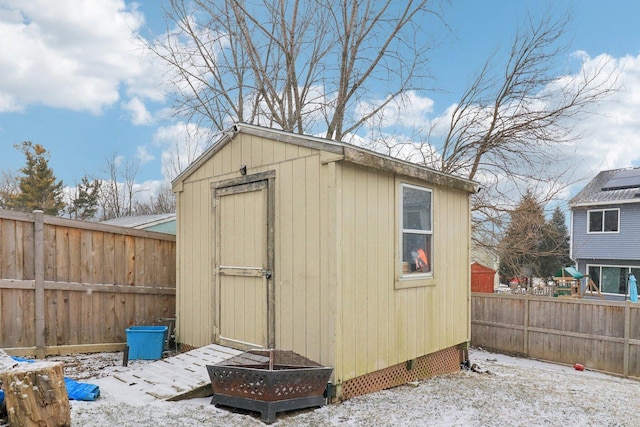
[[36, 395]]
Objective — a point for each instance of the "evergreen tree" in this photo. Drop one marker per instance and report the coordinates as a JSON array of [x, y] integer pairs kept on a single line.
[[554, 250], [38, 187], [84, 205], [520, 246]]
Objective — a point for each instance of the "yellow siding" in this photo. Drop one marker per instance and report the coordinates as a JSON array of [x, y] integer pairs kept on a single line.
[[300, 297], [380, 326], [194, 297]]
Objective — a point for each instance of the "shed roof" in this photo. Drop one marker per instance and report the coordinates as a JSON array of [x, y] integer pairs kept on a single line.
[[141, 221], [614, 186], [342, 150], [476, 267]]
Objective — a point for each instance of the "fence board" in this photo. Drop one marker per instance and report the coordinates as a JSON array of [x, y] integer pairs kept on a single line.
[[74, 255], [9, 249], [98, 280], [602, 335]]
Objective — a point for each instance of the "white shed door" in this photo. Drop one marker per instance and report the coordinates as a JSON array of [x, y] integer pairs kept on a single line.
[[242, 273]]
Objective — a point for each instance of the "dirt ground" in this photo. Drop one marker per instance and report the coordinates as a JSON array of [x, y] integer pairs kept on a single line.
[[499, 391]]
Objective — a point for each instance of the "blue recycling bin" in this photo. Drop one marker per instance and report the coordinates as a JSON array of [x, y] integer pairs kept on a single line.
[[146, 342]]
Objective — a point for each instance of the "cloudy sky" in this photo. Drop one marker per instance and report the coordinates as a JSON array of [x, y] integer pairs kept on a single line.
[[75, 78]]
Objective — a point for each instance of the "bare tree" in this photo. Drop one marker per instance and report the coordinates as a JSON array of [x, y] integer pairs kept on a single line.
[[508, 121], [163, 202], [184, 148], [9, 188], [118, 190], [302, 66], [512, 126]]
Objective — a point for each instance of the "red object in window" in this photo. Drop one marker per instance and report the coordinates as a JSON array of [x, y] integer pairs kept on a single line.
[[422, 263]]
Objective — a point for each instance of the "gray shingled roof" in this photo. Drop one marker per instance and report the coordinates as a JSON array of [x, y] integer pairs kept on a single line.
[[592, 193], [141, 220]]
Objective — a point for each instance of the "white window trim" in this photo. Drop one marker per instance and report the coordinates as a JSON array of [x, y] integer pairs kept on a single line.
[[603, 215], [415, 279], [628, 267]]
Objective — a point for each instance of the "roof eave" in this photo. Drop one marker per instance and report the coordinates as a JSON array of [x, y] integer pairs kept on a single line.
[[348, 152], [208, 153], [401, 167], [587, 204]]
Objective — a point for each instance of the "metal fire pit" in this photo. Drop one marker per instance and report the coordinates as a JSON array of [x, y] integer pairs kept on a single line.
[[269, 381]]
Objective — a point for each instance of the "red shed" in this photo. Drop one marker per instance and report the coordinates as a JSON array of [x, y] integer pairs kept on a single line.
[[482, 278]]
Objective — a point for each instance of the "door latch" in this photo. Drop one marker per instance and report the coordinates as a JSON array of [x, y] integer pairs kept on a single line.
[[267, 274]]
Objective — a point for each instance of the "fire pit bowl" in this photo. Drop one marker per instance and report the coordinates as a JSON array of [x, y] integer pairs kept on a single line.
[[269, 381]]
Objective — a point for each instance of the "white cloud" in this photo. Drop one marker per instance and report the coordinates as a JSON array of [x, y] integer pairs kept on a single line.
[[139, 113], [73, 55], [610, 136], [411, 110], [144, 155]]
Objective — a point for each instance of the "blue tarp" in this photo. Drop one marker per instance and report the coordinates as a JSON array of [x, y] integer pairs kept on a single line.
[[81, 391], [75, 389], [633, 288]]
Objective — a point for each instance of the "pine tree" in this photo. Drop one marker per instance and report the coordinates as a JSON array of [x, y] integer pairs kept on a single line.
[[84, 205], [520, 246], [554, 250], [38, 187]]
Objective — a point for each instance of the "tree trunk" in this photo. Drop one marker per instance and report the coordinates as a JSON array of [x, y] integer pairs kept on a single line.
[[36, 395]]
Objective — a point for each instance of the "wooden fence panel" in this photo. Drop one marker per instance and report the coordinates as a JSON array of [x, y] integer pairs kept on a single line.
[[602, 335], [94, 281]]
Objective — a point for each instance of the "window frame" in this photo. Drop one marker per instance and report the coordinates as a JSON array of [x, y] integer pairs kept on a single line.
[[413, 280], [604, 214], [629, 269]]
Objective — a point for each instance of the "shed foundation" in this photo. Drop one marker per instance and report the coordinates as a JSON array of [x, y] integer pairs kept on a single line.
[[445, 361]]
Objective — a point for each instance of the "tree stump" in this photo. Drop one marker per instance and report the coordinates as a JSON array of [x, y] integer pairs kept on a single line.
[[35, 395]]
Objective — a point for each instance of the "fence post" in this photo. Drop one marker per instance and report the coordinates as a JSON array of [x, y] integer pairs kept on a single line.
[[39, 282], [627, 332], [525, 344]]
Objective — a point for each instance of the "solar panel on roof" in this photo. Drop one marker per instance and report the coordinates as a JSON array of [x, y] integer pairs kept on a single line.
[[629, 178]]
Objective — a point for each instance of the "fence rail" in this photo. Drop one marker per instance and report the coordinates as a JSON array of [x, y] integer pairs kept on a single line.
[[69, 286], [602, 335]]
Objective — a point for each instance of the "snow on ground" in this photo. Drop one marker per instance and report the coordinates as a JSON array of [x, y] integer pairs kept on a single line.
[[500, 391]]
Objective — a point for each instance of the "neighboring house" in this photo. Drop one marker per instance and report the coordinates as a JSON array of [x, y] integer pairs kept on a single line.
[[162, 223], [352, 259], [605, 230]]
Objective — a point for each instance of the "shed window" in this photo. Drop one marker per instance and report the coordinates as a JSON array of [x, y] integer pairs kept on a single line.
[[417, 230], [604, 221]]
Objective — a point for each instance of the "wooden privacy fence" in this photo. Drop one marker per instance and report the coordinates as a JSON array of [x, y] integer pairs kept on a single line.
[[73, 286], [601, 335]]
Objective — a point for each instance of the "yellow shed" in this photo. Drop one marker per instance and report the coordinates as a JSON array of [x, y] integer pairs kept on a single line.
[[353, 259]]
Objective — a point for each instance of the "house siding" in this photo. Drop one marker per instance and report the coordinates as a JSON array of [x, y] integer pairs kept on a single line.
[[624, 245]]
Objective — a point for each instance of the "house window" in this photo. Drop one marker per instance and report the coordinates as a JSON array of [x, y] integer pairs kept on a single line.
[[604, 221], [612, 279], [416, 231]]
